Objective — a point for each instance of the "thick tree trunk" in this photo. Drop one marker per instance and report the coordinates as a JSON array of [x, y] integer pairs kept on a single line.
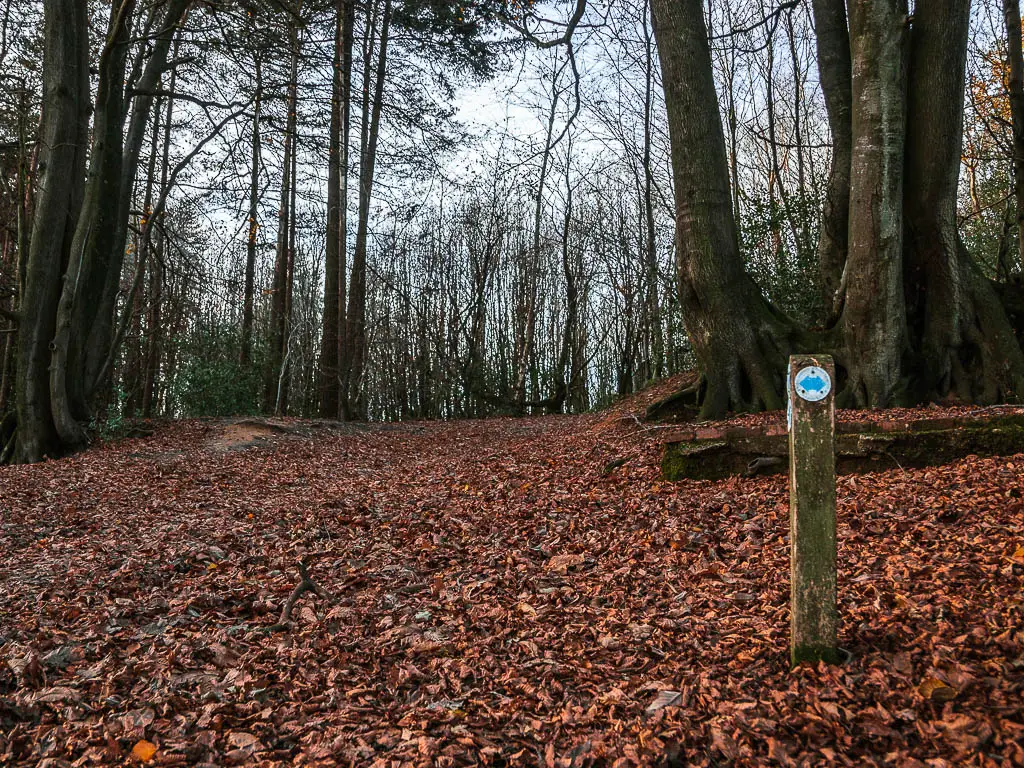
[[63, 142], [86, 316], [346, 166], [741, 343], [92, 251], [834, 72], [328, 373], [1015, 88], [285, 380], [873, 321], [963, 345]]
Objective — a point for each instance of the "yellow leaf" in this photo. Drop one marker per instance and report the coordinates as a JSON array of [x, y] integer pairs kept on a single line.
[[144, 750], [1018, 555], [936, 690]]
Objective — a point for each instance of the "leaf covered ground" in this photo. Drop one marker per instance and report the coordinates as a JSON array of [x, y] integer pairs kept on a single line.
[[499, 599]]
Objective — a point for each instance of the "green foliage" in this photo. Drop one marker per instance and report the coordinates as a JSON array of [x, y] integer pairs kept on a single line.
[[211, 381], [112, 424], [456, 32]]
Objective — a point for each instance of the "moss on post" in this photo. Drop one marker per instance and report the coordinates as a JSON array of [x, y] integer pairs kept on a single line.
[[812, 509]]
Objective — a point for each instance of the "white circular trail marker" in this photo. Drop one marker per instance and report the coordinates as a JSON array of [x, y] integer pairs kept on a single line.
[[812, 383]]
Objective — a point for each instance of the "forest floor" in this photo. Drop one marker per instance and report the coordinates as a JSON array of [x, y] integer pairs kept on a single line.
[[498, 598]]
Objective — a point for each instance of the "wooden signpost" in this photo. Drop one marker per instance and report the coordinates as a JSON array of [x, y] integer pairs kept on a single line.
[[812, 509]]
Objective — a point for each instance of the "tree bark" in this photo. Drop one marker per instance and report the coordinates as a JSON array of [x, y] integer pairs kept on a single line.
[[1015, 89], [93, 245], [571, 273], [63, 142], [86, 315], [337, 205], [740, 341], [873, 321], [963, 345], [136, 369]]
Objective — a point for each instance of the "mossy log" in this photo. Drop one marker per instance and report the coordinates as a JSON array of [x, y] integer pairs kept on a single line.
[[714, 454]]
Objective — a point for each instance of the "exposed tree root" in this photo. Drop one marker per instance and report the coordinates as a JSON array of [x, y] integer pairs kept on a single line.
[[745, 372], [306, 584], [681, 405]]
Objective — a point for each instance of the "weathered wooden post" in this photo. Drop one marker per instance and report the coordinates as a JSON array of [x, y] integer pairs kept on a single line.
[[812, 509]]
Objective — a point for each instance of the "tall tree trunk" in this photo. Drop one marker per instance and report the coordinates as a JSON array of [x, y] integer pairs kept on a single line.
[[963, 344], [1015, 88], [19, 256], [740, 341], [345, 353], [337, 205], [284, 384], [157, 270], [63, 146], [248, 301], [345, 162], [873, 321], [281, 289], [137, 105], [136, 371], [93, 245], [356, 318], [556, 403], [653, 304], [86, 315], [835, 73]]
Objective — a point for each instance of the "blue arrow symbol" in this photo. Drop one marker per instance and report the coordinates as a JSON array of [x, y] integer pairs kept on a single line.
[[813, 383]]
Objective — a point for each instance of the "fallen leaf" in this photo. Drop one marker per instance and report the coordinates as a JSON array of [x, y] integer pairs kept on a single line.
[[562, 563], [936, 690], [144, 750], [244, 740], [665, 699]]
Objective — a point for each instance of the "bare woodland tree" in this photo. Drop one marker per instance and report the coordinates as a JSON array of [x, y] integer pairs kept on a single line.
[[686, 192]]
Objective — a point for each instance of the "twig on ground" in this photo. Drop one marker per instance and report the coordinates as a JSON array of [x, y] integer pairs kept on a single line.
[[306, 584]]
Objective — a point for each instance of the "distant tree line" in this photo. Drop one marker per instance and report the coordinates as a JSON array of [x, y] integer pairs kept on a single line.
[[277, 206]]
